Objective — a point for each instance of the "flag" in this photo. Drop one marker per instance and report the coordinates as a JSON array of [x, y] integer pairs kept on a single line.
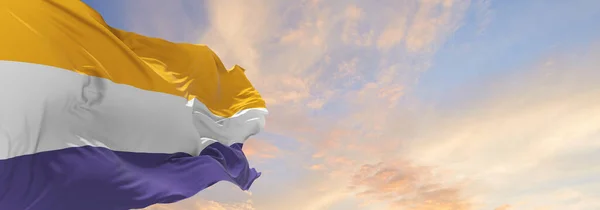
[[94, 117]]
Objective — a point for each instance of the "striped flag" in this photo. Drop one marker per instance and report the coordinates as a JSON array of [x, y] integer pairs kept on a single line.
[[93, 117]]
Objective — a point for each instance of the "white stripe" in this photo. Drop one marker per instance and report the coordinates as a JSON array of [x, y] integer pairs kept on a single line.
[[45, 108]]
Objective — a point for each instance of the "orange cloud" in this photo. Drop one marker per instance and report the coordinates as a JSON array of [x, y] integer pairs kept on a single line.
[[407, 186], [317, 167], [260, 149], [504, 207]]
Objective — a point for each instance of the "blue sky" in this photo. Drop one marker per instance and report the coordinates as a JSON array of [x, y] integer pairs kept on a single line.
[[522, 31], [404, 104]]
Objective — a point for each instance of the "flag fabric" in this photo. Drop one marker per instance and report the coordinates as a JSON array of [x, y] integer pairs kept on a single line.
[[94, 117]]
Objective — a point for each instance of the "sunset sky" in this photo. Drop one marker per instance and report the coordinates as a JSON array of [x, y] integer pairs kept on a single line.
[[403, 104]]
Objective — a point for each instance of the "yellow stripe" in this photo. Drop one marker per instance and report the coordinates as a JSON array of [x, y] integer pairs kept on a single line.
[[69, 34]]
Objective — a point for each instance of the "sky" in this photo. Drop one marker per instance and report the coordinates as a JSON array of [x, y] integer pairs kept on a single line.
[[403, 104]]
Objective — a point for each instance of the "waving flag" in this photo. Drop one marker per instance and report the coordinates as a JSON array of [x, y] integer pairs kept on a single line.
[[93, 117]]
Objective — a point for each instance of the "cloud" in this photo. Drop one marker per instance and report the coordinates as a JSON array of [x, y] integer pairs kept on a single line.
[[287, 89], [260, 149], [432, 22], [201, 204], [392, 34], [347, 73], [504, 207], [211, 205], [350, 34], [407, 186], [237, 29]]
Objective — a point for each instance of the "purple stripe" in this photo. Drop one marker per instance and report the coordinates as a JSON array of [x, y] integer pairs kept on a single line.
[[95, 178]]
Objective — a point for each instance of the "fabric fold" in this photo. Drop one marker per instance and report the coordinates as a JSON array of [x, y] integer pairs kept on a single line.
[[94, 117]]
